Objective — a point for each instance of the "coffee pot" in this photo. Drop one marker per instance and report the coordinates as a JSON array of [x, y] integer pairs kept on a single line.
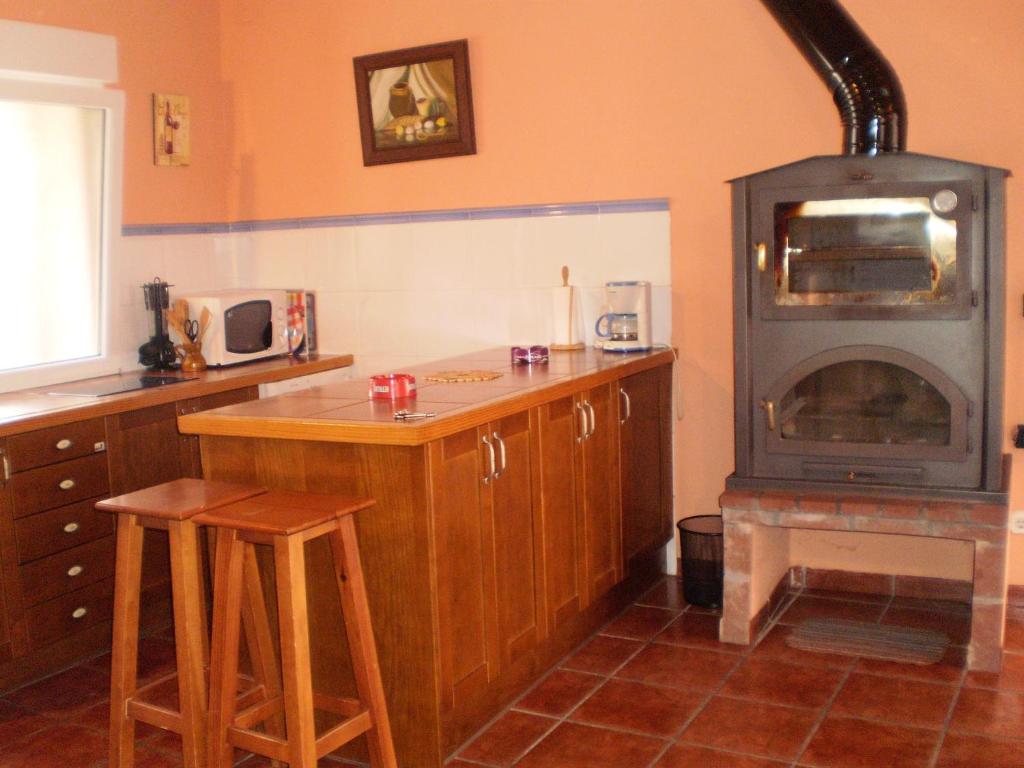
[[625, 325]]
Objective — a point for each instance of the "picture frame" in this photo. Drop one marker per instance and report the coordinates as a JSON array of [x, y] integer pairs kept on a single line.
[[415, 103], [172, 116]]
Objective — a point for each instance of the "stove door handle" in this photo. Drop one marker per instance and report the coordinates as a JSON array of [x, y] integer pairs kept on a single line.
[[768, 406]]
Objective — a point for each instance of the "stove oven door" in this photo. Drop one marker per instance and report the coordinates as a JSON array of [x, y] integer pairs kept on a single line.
[[876, 251], [865, 414]]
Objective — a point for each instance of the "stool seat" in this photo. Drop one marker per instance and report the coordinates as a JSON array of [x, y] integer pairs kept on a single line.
[[178, 499], [283, 513]]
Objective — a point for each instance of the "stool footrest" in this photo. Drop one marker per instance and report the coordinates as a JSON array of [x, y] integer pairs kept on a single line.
[[357, 722], [258, 743], [337, 706], [154, 714], [343, 733], [258, 712]]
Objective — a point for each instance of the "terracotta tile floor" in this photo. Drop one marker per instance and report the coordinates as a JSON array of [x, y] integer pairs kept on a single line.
[[654, 689]]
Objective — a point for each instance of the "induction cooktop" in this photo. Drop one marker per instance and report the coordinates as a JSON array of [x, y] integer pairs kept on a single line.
[[111, 386]]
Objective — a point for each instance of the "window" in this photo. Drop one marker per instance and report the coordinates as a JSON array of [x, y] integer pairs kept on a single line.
[[60, 145]]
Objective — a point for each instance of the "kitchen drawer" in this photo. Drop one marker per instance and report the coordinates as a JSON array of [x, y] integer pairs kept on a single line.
[[70, 613], [59, 484], [67, 571], [48, 446], [58, 529]]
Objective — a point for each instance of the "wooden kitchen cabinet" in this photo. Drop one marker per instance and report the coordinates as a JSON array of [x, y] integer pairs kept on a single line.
[[486, 544], [646, 461], [57, 551], [596, 464], [558, 512], [475, 588], [190, 463]]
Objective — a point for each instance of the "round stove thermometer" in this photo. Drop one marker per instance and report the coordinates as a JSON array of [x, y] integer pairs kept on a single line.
[[944, 201]]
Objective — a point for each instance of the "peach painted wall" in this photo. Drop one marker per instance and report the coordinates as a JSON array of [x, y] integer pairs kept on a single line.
[[575, 100], [165, 47], [600, 100]]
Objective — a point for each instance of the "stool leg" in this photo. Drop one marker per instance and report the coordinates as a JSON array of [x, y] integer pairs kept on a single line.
[[125, 651], [289, 565], [259, 640], [361, 644], [227, 599], [189, 629]]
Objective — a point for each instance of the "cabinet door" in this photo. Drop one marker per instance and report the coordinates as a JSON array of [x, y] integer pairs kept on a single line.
[[188, 445], [598, 473], [143, 448], [646, 480], [515, 539], [8, 553], [465, 566], [558, 512]]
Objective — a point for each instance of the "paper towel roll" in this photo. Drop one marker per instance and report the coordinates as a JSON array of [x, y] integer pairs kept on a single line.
[[567, 317]]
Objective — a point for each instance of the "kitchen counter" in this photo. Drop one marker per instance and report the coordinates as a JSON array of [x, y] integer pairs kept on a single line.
[[507, 528], [343, 413], [29, 409]]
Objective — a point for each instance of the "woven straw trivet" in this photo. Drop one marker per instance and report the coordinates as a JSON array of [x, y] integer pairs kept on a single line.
[[453, 377]]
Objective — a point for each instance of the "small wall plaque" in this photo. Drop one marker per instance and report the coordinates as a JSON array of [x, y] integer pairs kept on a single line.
[[171, 118]]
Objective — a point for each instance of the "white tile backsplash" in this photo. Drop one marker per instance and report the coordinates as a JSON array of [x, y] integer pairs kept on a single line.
[[399, 294]]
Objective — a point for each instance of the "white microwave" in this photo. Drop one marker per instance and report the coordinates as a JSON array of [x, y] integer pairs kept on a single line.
[[245, 325]]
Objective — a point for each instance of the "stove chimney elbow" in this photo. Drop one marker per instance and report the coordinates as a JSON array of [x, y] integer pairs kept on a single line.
[[864, 85]]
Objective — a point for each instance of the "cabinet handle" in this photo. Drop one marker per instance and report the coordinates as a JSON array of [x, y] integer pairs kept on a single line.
[[79, 612], [6, 466], [593, 419], [490, 460], [75, 570], [629, 406], [63, 444], [583, 423], [66, 485], [71, 527], [504, 457]]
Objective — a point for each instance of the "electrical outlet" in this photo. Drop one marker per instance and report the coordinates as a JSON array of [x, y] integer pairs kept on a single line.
[[1017, 522]]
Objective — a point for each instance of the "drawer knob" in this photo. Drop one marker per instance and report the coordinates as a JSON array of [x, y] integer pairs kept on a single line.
[[66, 485], [79, 612], [75, 570], [71, 527], [64, 444]]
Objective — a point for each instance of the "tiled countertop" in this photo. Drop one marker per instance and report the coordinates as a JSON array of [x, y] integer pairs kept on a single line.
[[29, 409], [342, 412]]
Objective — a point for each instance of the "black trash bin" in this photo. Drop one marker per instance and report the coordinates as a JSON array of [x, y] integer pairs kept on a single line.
[[703, 556]]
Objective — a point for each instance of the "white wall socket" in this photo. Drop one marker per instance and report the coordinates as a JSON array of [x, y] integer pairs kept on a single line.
[[1017, 522]]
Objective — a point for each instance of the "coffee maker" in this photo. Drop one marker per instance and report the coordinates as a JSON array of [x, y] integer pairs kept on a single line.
[[625, 325]]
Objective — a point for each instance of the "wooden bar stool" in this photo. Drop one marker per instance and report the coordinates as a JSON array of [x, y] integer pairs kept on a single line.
[[286, 520], [171, 507]]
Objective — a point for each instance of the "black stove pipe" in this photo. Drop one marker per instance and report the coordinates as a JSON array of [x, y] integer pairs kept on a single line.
[[863, 84]]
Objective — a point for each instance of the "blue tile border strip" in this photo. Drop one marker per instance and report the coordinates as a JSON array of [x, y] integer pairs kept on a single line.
[[455, 214]]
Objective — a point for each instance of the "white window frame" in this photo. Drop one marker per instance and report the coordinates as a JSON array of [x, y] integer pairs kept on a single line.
[[86, 60]]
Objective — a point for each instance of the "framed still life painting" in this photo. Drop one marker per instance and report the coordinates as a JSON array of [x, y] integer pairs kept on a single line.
[[415, 103]]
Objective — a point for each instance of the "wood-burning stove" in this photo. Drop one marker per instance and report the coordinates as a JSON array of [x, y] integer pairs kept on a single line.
[[868, 321]]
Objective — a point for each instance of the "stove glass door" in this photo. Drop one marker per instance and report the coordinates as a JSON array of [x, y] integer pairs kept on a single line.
[[843, 253], [870, 402], [865, 401]]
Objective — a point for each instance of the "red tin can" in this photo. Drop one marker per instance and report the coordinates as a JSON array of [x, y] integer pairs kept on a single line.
[[391, 386]]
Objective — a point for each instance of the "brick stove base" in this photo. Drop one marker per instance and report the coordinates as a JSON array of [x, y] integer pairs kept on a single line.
[[754, 520]]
